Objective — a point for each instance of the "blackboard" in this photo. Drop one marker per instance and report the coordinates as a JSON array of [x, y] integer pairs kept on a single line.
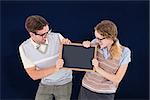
[[77, 57]]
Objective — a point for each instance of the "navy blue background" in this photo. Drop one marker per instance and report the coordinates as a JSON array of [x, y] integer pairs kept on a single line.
[[76, 21]]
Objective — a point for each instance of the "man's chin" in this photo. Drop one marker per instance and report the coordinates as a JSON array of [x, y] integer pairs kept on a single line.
[[42, 42]]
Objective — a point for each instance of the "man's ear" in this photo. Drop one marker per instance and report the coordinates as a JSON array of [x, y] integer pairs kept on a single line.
[[31, 34]]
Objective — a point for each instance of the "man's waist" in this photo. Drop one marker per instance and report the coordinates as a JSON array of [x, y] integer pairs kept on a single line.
[[56, 82]]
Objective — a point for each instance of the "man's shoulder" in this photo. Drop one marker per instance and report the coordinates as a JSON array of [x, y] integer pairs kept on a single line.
[[54, 35], [26, 42]]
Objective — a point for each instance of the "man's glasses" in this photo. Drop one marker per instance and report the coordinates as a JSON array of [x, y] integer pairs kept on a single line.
[[43, 33], [100, 39]]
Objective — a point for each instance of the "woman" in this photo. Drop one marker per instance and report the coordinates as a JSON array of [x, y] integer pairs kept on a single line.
[[110, 64]]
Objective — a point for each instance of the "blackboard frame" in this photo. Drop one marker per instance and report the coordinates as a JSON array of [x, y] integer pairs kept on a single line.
[[79, 45]]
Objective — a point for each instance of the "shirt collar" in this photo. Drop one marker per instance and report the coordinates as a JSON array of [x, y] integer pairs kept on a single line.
[[36, 45], [105, 52]]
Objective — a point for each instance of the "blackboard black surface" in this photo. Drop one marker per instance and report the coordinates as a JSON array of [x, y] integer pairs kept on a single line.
[[76, 56]]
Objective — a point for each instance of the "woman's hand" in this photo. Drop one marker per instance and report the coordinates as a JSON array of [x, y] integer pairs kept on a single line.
[[59, 64], [95, 64], [86, 44], [66, 41]]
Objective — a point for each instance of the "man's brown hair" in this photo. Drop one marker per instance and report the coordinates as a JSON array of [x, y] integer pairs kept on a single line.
[[34, 23]]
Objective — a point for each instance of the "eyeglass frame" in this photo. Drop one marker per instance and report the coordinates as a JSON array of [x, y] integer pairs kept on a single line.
[[43, 33], [100, 39]]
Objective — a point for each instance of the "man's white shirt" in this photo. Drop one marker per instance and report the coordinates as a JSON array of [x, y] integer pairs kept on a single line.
[[42, 47]]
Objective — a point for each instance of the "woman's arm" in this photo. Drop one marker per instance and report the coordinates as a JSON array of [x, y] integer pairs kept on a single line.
[[115, 78]]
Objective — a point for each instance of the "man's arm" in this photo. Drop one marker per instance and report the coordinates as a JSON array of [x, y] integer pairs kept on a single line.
[[64, 40], [32, 70], [36, 74]]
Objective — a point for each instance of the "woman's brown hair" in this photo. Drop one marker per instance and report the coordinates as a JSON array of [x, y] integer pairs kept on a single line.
[[108, 29]]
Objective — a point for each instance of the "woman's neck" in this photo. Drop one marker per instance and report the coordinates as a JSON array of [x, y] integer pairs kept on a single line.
[[110, 45]]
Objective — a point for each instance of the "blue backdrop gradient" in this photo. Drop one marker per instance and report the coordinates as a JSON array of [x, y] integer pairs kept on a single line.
[[76, 21]]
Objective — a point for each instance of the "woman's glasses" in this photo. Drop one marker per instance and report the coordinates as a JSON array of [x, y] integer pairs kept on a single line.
[[100, 39]]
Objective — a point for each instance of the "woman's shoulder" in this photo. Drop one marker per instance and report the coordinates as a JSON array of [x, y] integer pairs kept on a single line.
[[125, 56], [125, 50]]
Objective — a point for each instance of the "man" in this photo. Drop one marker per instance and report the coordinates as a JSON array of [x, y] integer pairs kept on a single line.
[[39, 55]]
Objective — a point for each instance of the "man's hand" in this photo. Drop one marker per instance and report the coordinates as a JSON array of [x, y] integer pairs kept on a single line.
[[59, 64], [66, 41], [86, 44]]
